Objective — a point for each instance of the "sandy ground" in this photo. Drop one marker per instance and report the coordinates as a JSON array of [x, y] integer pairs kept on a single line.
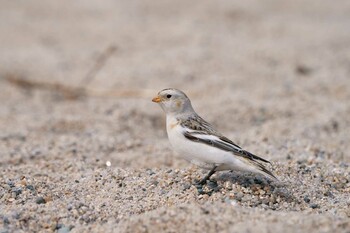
[[271, 75]]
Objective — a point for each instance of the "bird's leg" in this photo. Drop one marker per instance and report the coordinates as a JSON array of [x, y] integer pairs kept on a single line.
[[204, 180]]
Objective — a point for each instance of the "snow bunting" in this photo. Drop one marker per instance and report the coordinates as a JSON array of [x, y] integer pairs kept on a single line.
[[197, 141]]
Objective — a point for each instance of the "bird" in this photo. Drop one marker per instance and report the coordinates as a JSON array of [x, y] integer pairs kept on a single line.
[[195, 140]]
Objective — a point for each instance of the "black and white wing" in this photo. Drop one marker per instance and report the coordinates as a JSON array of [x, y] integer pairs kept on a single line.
[[198, 130]]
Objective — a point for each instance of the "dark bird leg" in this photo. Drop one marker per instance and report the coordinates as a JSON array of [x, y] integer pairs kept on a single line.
[[204, 180]]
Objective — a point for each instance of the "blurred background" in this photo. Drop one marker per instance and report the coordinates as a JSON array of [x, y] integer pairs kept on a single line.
[[178, 43]]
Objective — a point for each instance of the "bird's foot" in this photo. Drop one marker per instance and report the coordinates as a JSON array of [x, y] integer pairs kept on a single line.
[[210, 186], [201, 182]]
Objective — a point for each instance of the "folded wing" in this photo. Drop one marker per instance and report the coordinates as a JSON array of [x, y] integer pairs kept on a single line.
[[226, 144]]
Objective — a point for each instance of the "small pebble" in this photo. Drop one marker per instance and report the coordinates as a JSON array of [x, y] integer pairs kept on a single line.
[[17, 191], [228, 185], [239, 196], [306, 199], [30, 187], [329, 194], [186, 186], [40, 200], [6, 220], [11, 184], [63, 229]]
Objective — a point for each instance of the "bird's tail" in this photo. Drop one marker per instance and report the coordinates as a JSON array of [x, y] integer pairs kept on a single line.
[[263, 170], [258, 167]]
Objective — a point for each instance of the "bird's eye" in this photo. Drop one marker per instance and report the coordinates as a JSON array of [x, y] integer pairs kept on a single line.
[[168, 96]]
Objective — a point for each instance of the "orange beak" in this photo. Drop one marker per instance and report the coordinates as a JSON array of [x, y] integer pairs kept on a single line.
[[156, 99]]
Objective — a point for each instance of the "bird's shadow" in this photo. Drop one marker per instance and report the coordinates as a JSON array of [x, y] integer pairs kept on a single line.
[[246, 180]]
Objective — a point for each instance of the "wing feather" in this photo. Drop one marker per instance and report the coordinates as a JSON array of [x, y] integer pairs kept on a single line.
[[223, 144], [198, 130]]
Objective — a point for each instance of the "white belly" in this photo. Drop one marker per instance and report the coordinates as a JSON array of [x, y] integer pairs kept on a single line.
[[200, 154]]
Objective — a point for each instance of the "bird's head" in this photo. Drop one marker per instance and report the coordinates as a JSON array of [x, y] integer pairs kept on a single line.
[[173, 101]]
